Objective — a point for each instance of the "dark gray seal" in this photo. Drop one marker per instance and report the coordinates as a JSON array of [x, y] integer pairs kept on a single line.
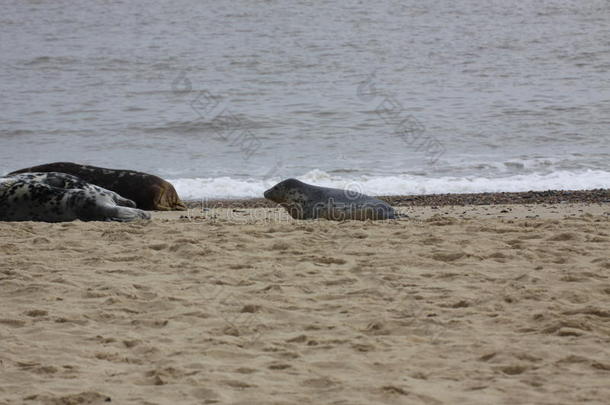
[[148, 191], [59, 197], [304, 201]]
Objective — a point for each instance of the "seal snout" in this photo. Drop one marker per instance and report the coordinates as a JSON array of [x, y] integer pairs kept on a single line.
[[271, 194]]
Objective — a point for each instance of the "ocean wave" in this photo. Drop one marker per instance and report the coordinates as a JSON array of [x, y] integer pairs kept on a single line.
[[55, 61], [228, 187]]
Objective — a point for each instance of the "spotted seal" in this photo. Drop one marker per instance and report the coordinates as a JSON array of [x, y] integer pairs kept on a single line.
[[148, 191], [304, 201], [58, 197]]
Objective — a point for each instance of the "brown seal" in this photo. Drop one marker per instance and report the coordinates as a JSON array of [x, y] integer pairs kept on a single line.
[[149, 192]]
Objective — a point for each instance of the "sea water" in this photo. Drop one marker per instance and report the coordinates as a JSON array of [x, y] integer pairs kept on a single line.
[[391, 97]]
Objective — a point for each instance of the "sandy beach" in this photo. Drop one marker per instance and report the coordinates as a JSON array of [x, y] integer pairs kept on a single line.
[[485, 125], [477, 304]]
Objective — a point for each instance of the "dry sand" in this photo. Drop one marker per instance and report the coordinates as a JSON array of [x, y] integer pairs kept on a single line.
[[473, 305]]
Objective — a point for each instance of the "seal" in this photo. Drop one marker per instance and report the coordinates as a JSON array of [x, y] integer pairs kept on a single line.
[[304, 201], [148, 191], [59, 197]]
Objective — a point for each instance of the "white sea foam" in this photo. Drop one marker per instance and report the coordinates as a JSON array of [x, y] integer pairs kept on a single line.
[[227, 187]]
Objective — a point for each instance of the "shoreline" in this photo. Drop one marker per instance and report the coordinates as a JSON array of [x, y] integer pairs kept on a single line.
[[409, 214], [595, 196]]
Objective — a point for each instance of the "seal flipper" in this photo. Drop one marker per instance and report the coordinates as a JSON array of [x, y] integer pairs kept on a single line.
[[179, 205], [123, 202], [126, 214], [107, 211], [116, 197], [93, 205]]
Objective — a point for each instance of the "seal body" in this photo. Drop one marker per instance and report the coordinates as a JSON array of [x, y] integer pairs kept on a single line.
[[59, 197], [149, 192], [304, 201]]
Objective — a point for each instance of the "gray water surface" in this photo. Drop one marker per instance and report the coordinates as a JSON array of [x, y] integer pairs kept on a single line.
[[207, 89]]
